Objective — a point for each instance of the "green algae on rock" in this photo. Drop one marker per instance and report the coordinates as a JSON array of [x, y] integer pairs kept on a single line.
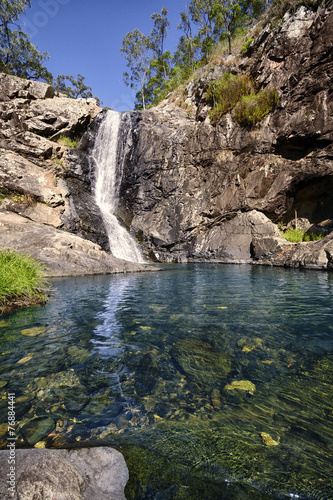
[[268, 440], [78, 354], [200, 361], [33, 332], [36, 429], [240, 385]]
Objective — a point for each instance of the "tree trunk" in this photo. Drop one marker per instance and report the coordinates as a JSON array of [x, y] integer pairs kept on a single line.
[[143, 97]]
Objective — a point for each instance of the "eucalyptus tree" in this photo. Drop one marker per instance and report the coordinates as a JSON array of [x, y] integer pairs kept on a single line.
[[74, 87], [188, 44], [201, 15], [18, 55], [137, 49], [226, 15]]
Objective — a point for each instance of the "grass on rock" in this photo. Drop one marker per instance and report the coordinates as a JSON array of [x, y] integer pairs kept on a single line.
[[22, 281], [68, 142], [297, 235]]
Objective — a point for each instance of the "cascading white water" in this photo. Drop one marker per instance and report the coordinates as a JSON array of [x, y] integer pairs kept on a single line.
[[108, 180]]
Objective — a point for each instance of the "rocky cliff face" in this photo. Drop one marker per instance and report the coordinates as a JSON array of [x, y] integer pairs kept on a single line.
[[194, 190], [191, 189], [46, 203]]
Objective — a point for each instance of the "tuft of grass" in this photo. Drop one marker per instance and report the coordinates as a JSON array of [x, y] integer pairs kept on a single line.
[[313, 237], [253, 108], [67, 141], [293, 235], [21, 280], [3, 195], [245, 46], [297, 235], [58, 162], [226, 92]]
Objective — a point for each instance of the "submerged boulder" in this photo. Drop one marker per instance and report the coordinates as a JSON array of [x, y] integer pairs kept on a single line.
[[201, 362]]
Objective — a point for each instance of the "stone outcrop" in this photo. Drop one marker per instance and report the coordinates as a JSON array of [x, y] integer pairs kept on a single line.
[[191, 189], [82, 474], [62, 253], [187, 179], [47, 208]]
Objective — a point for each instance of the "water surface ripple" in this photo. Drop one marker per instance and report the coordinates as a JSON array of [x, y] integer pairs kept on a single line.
[[214, 380]]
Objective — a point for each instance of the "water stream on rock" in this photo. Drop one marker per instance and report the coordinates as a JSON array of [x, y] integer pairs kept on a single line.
[[214, 381], [108, 179]]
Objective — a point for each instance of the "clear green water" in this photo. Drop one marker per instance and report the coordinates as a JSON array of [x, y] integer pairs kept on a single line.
[[215, 381]]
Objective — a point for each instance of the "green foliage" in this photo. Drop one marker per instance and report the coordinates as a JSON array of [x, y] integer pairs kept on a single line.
[[67, 141], [76, 88], [297, 235], [313, 236], [205, 24], [58, 162], [136, 48], [3, 194], [253, 108], [21, 278], [18, 56], [158, 36], [246, 45], [227, 14], [226, 92], [293, 235]]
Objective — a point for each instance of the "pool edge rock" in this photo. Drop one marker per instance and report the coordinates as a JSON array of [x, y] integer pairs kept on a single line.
[[62, 253], [79, 474]]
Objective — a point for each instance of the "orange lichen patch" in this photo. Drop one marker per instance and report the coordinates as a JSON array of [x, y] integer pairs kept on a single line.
[[283, 252]]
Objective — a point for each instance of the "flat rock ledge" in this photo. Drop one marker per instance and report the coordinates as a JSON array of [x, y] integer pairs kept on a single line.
[[62, 253], [81, 474]]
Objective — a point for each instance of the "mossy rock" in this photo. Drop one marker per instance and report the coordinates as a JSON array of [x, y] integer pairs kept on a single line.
[[78, 355], [38, 428], [200, 361], [146, 375], [240, 385], [268, 440], [33, 332]]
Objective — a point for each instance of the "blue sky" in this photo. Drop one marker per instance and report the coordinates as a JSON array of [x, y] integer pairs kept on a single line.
[[84, 36]]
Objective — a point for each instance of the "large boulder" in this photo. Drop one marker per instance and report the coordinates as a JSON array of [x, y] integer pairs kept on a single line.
[[63, 253], [12, 87]]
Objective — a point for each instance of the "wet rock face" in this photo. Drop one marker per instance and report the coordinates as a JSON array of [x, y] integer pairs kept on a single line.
[[186, 180]]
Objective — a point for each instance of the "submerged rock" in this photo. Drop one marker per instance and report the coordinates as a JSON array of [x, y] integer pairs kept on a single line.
[[78, 354], [268, 440], [240, 385], [146, 375], [200, 361], [33, 332], [37, 429]]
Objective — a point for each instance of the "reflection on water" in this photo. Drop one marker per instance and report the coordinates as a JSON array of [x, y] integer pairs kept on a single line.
[[215, 380]]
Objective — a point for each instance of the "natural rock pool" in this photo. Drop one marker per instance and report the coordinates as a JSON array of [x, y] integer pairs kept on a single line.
[[214, 381]]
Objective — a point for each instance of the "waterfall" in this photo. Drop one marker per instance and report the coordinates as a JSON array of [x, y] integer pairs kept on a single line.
[[108, 179]]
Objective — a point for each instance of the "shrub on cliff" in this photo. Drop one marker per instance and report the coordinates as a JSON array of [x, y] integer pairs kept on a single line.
[[253, 108], [21, 280], [226, 92]]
